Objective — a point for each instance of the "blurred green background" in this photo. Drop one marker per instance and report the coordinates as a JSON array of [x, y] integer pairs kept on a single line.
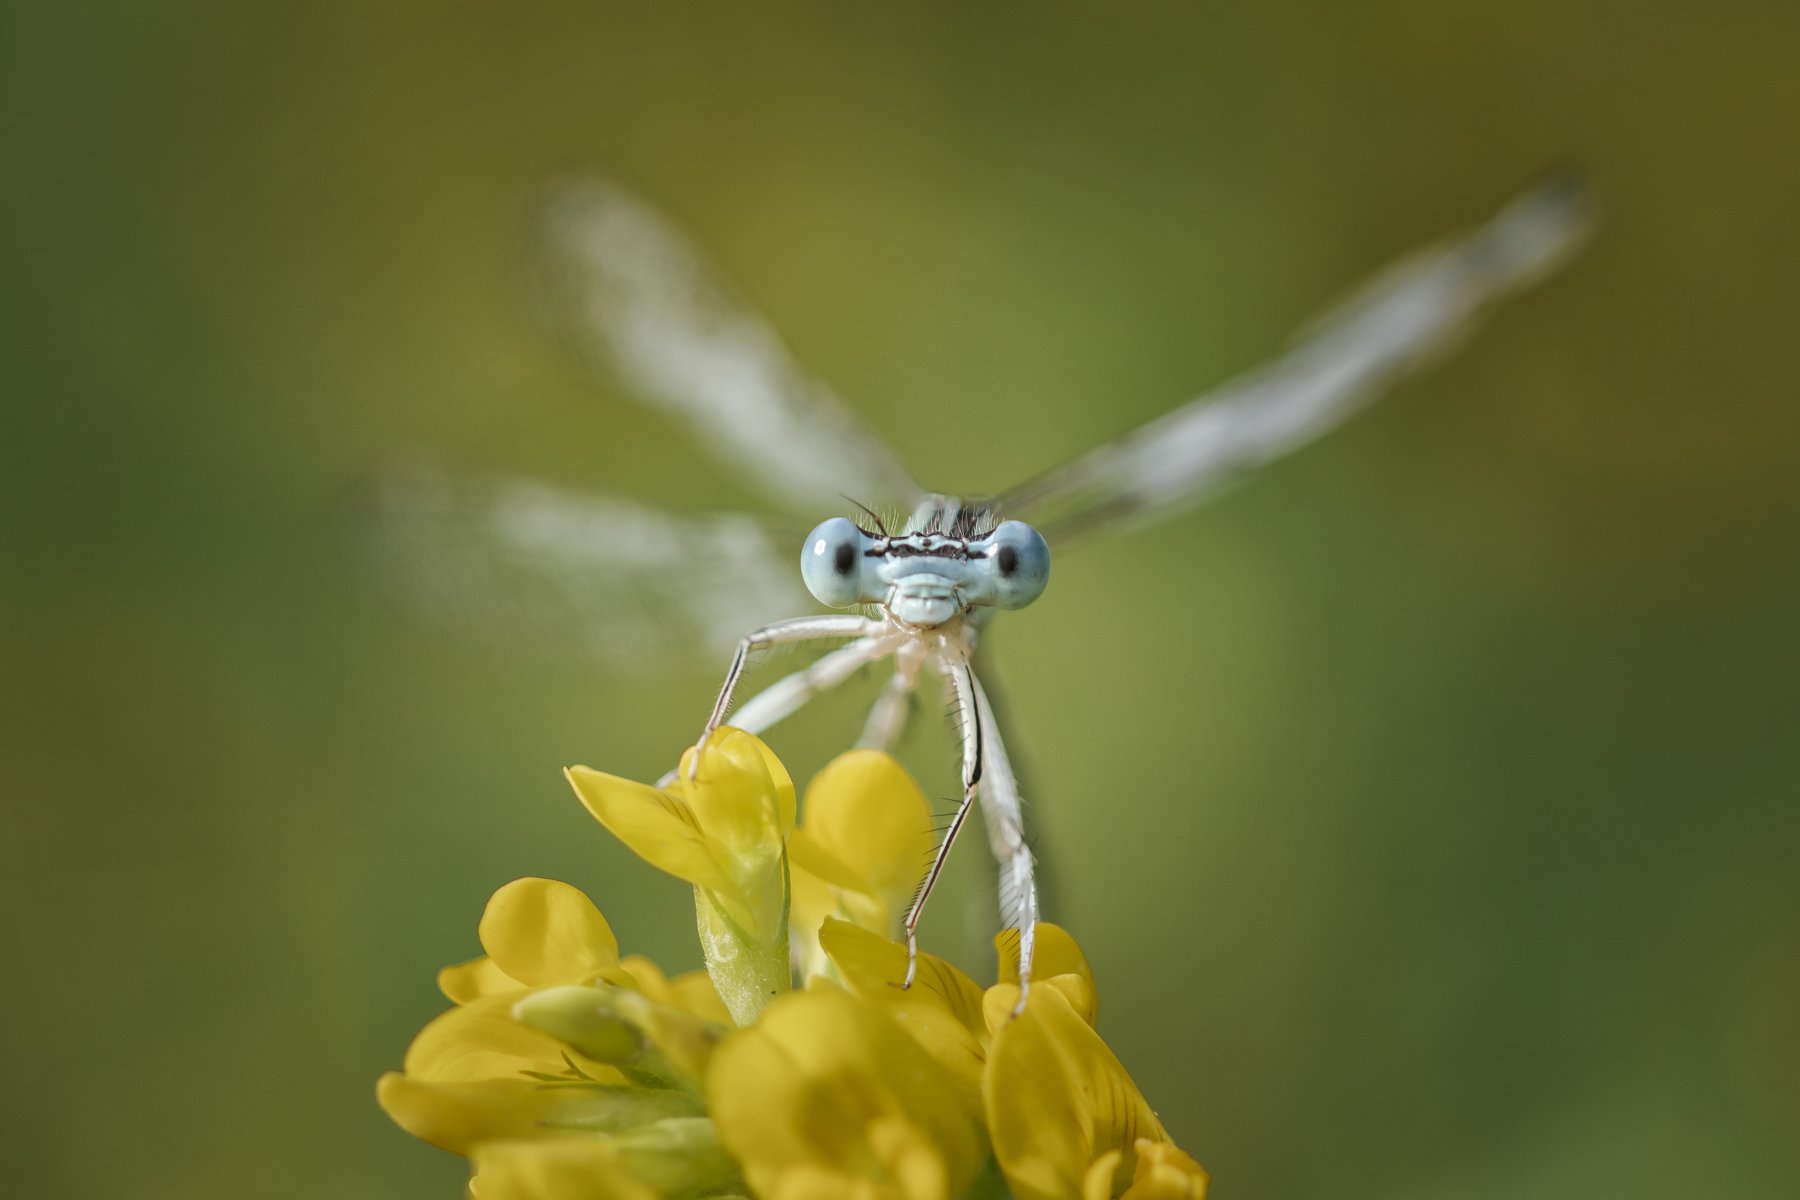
[[1427, 806]]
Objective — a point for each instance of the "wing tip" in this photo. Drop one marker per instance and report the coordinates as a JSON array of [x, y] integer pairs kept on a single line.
[[1540, 230]]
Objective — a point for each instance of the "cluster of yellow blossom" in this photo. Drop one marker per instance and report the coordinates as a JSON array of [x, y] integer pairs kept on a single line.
[[565, 1072]]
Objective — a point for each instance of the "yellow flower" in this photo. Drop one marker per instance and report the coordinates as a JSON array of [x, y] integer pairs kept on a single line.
[[475, 1074], [724, 831], [468, 1075], [865, 837], [1064, 1117], [567, 1073], [826, 1098]]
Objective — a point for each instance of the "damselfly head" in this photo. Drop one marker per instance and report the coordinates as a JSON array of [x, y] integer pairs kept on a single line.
[[925, 579]]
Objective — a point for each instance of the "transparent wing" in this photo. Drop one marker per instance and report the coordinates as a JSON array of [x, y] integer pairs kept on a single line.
[[613, 579], [1400, 321], [642, 303]]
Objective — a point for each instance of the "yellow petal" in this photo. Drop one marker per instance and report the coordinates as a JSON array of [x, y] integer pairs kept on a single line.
[[459, 1116], [914, 1164], [825, 1096], [679, 1156], [481, 1041], [1164, 1172], [779, 778], [742, 754], [576, 1168], [825, 887], [647, 977], [868, 813], [859, 857], [1055, 960], [741, 796], [656, 826], [1057, 1099], [941, 1011], [456, 1116], [541, 932], [693, 992], [474, 979], [873, 966], [1097, 1183], [808, 854]]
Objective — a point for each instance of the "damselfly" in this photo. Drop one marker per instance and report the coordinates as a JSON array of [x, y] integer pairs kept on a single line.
[[647, 305]]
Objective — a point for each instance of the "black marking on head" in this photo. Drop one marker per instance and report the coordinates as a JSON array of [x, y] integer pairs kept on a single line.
[[918, 545], [843, 559], [1008, 559]]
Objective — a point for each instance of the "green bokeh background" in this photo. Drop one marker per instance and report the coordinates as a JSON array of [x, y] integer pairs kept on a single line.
[[1427, 806]]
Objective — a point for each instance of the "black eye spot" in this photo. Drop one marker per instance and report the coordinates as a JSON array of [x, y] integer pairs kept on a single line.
[[843, 558], [1008, 558]]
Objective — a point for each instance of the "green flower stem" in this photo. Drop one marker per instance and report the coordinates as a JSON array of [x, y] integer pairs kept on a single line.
[[747, 970]]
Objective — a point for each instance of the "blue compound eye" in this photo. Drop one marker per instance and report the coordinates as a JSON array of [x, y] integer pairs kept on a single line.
[[831, 563], [1020, 561]]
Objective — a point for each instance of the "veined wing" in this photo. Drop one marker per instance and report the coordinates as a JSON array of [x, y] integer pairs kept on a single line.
[[645, 304], [1400, 321], [601, 576]]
